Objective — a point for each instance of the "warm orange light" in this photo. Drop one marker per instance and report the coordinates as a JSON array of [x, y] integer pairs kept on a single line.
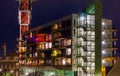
[[43, 38], [31, 34], [68, 61], [20, 56], [55, 27]]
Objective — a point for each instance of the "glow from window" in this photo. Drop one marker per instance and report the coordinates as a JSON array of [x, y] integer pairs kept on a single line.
[[63, 62], [0, 70], [30, 55], [51, 73], [26, 73], [103, 61], [20, 56], [103, 42], [11, 71], [103, 32], [68, 51], [46, 45], [82, 18], [36, 54], [103, 23], [103, 52], [88, 22], [68, 61], [31, 34], [50, 45]]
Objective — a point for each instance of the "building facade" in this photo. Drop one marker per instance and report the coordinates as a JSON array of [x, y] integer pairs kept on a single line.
[[9, 65], [69, 44]]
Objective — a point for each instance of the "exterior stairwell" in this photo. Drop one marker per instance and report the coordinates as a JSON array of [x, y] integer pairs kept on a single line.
[[115, 71]]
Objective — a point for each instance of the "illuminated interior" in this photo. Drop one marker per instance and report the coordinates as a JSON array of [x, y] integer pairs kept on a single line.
[[85, 45], [69, 43]]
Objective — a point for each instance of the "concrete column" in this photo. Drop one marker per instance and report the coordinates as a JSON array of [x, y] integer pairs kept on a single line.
[[98, 37]]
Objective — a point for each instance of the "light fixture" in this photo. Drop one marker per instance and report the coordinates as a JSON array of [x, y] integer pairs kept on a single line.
[[103, 61], [26, 73], [103, 42], [36, 54], [103, 52], [11, 71], [0, 69], [63, 62], [103, 32], [103, 23]]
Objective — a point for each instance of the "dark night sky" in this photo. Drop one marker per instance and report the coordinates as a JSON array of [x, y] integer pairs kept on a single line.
[[44, 11]]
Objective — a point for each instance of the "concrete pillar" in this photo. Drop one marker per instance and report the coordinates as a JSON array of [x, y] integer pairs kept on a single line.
[[98, 39]]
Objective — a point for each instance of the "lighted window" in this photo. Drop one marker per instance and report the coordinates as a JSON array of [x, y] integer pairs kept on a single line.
[[46, 45], [88, 32], [30, 55], [93, 69], [82, 19], [30, 34], [68, 61], [103, 24], [103, 52], [20, 56], [93, 64], [50, 37], [93, 33], [91, 58], [63, 61], [23, 49], [55, 52], [92, 17], [81, 41], [41, 46], [59, 52], [0, 69], [88, 22], [92, 48], [88, 17], [36, 54], [41, 62], [68, 51], [69, 42], [46, 38], [103, 42], [103, 61], [103, 32], [89, 43], [92, 22], [42, 55], [92, 43], [66, 42], [93, 54], [55, 27], [93, 37], [88, 53], [80, 31], [50, 44]]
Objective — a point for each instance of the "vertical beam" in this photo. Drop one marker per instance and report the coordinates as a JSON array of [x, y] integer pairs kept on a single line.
[[24, 19], [4, 48], [98, 27]]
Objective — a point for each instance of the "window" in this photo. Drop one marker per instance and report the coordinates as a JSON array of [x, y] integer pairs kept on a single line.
[[68, 51]]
